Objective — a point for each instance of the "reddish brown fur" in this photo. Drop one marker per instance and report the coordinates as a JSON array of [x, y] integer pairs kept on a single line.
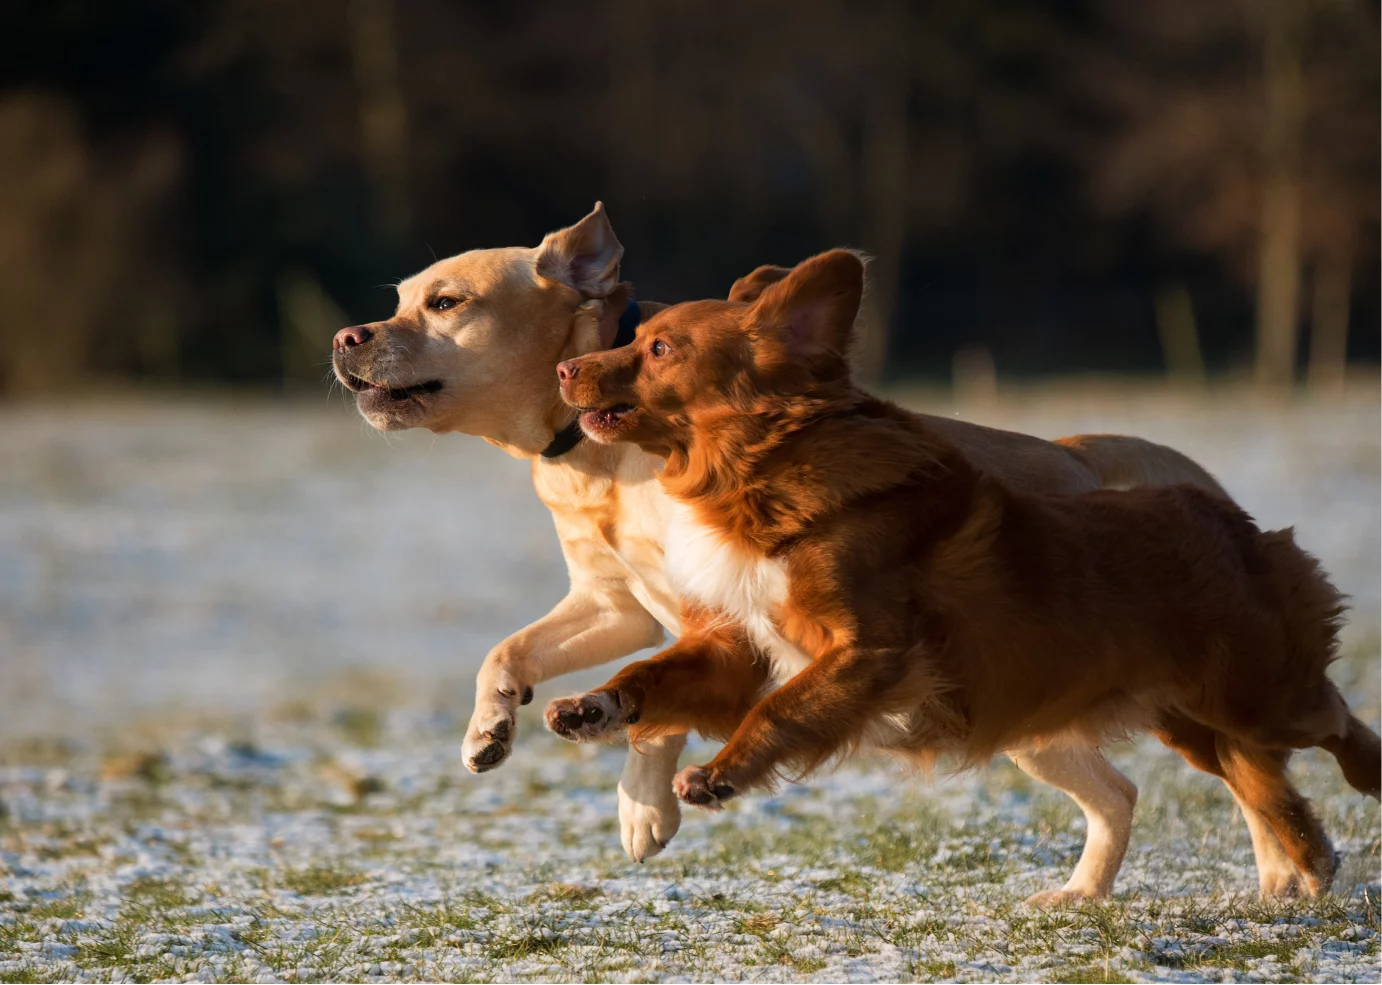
[[712, 671], [919, 586]]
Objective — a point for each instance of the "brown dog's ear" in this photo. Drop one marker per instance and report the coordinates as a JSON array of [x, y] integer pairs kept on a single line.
[[584, 256], [750, 286], [810, 313]]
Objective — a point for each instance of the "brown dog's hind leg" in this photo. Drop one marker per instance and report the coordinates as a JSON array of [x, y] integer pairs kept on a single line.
[[1258, 779], [1277, 875], [1107, 798]]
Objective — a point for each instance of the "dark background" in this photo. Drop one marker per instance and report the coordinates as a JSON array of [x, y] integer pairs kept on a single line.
[[195, 192]]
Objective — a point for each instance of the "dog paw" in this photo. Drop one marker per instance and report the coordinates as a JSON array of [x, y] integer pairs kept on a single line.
[[697, 786], [1310, 884], [589, 716], [490, 735], [1051, 899], [645, 828]]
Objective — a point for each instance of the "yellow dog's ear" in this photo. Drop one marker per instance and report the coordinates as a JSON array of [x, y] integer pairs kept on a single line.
[[584, 256], [810, 313], [750, 286]]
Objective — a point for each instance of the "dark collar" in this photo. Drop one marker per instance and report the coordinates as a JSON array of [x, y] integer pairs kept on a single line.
[[628, 325], [571, 435]]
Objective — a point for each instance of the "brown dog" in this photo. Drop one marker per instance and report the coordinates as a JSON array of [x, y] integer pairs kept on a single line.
[[920, 605]]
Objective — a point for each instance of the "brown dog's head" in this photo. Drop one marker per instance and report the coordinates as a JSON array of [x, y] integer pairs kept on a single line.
[[694, 363], [473, 341]]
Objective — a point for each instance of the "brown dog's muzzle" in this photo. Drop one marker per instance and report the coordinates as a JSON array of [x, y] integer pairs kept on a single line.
[[600, 386], [567, 371], [598, 379]]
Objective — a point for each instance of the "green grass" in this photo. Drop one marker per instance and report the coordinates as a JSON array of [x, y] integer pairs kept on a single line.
[[26, 974], [60, 908], [321, 880], [115, 948], [159, 894], [514, 947], [1092, 973]]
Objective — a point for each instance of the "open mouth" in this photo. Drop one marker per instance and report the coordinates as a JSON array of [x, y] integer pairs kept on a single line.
[[605, 418], [392, 393]]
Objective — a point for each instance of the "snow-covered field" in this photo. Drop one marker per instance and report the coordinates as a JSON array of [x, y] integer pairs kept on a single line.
[[236, 643]]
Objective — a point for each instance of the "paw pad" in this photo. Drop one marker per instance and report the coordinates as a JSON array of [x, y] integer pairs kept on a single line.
[[695, 786], [585, 716], [490, 755]]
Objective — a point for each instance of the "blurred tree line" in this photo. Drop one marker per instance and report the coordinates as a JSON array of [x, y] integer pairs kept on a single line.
[[206, 191]]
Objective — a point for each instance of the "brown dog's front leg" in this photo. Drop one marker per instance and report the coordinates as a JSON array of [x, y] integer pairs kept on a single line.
[[706, 682], [814, 715]]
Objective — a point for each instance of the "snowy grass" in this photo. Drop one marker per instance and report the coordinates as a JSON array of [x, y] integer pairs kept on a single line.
[[234, 646], [294, 855]]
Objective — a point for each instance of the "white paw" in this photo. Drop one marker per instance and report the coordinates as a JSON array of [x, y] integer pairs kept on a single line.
[[649, 814], [646, 825], [489, 737]]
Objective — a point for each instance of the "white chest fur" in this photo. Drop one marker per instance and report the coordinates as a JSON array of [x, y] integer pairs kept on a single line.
[[748, 588]]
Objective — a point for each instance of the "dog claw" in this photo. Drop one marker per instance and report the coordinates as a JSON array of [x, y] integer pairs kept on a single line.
[[649, 814], [487, 747], [499, 731], [490, 734]]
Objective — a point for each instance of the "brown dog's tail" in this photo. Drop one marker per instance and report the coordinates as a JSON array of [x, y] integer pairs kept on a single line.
[[1359, 752], [1124, 462], [1312, 610]]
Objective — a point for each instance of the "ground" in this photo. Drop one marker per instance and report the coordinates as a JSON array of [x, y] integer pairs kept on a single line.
[[235, 640]]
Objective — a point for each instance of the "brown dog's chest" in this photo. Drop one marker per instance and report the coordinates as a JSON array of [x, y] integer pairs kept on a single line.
[[748, 588]]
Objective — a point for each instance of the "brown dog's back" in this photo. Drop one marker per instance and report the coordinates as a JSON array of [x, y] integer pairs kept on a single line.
[[1113, 606]]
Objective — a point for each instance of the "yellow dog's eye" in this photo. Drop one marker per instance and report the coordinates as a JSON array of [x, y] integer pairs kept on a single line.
[[659, 348], [443, 303]]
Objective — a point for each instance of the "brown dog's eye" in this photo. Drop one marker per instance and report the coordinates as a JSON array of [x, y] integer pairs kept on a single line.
[[659, 348], [443, 303]]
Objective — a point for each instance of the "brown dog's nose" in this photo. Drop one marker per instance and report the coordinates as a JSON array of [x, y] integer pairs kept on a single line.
[[347, 337], [568, 370]]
